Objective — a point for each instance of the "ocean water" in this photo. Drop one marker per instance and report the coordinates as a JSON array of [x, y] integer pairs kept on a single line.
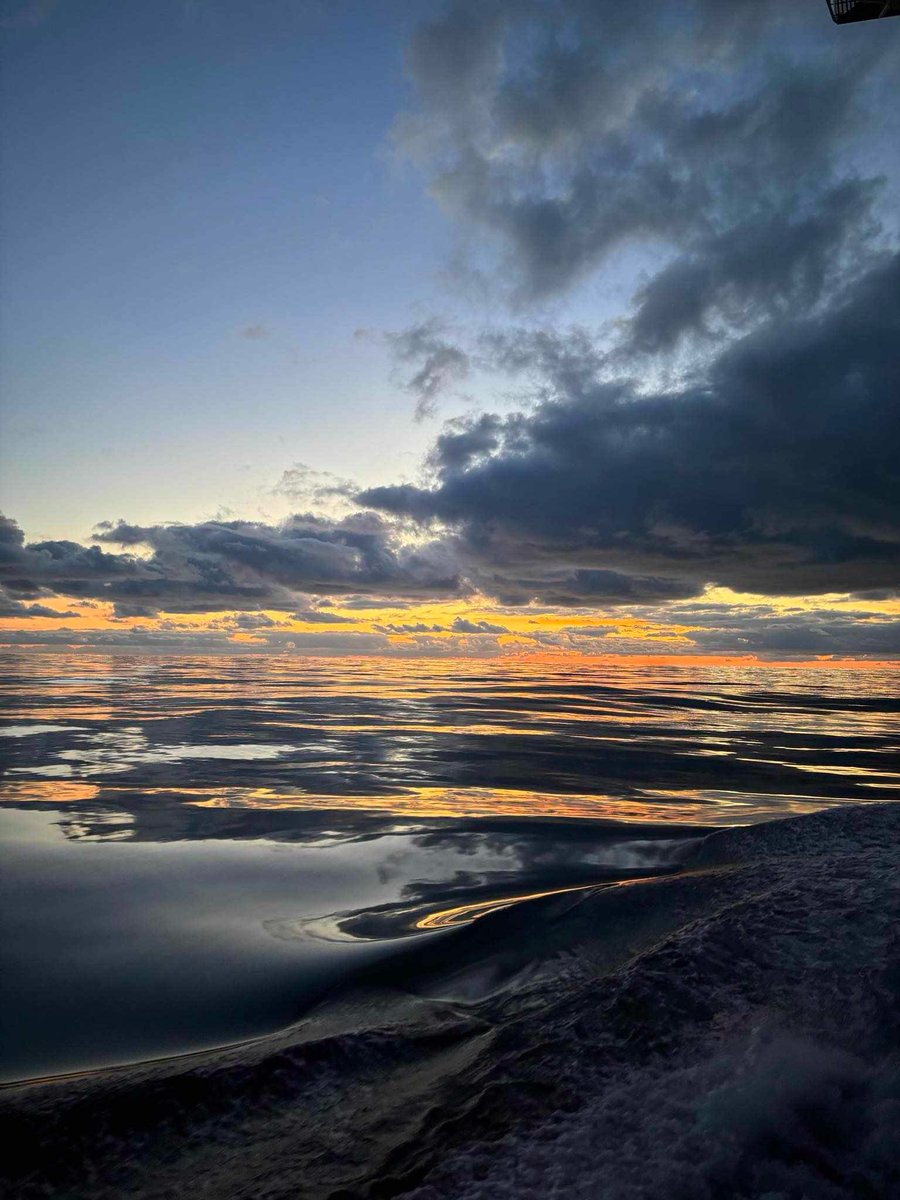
[[199, 851]]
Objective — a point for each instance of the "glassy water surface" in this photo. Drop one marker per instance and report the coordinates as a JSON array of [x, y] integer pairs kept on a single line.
[[197, 849]]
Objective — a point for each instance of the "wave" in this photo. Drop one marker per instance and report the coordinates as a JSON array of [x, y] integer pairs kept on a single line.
[[729, 1030]]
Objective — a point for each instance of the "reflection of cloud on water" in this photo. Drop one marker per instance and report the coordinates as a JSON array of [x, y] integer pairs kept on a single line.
[[517, 866], [202, 748], [124, 749], [466, 819], [34, 730]]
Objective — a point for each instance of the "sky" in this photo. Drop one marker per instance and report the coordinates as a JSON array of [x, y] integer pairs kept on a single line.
[[508, 327]]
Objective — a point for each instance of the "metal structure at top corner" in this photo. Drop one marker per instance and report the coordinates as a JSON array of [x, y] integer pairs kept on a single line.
[[843, 12]]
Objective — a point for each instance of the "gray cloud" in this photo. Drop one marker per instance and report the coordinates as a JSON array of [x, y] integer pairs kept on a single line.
[[58, 566], [719, 136], [11, 607], [561, 587], [717, 629], [774, 472], [315, 616], [589, 631], [437, 363], [733, 629], [217, 565], [123, 610], [304, 485], [414, 627], [462, 625], [558, 132], [306, 552], [171, 640], [249, 622], [766, 265], [829, 633]]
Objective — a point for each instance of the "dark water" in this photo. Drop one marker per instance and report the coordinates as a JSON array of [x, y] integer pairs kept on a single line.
[[196, 849]]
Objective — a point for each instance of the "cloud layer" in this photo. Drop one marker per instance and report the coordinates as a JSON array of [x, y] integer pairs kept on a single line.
[[218, 565], [776, 472]]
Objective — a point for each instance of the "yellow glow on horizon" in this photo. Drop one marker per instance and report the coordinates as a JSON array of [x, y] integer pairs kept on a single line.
[[536, 633], [838, 601]]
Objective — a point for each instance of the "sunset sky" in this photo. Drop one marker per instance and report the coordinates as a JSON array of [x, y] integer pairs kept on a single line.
[[495, 327]]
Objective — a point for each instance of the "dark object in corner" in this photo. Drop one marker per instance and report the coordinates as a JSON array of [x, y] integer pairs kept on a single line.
[[845, 11]]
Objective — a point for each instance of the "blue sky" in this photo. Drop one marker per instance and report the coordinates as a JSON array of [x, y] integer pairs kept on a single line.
[[177, 173]]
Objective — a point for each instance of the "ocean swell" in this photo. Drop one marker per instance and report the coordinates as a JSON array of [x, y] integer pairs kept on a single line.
[[730, 1030]]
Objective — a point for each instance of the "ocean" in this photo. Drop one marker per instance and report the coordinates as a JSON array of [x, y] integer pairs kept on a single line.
[[250, 868]]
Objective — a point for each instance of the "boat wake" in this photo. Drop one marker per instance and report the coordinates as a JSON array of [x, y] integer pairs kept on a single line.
[[728, 1030]]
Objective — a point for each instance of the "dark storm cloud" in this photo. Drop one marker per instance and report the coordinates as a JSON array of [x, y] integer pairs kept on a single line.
[[777, 472], [768, 265], [588, 586], [717, 135], [556, 133], [878, 594], [58, 566], [219, 565], [305, 553]]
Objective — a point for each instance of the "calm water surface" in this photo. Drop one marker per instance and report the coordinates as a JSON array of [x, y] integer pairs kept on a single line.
[[196, 849]]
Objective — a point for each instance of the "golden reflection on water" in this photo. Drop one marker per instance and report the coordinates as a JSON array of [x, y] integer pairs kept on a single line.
[[696, 807], [660, 805], [428, 802], [463, 914], [42, 791], [845, 769], [83, 679], [386, 734]]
